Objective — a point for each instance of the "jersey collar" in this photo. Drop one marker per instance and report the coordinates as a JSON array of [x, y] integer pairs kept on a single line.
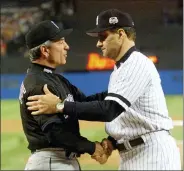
[[38, 68], [126, 56]]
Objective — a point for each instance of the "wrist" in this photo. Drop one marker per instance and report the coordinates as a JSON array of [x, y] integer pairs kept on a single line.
[[113, 141], [92, 148], [60, 106]]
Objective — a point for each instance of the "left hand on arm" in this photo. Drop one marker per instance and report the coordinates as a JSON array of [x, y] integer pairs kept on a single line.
[[43, 104]]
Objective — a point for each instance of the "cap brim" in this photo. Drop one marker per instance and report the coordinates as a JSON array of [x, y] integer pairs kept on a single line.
[[96, 31], [62, 33]]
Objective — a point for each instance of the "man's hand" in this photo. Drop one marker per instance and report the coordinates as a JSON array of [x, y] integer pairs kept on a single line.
[[99, 154], [102, 156], [43, 104], [107, 146]]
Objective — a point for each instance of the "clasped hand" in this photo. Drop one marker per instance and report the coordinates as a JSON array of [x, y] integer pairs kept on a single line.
[[103, 151]]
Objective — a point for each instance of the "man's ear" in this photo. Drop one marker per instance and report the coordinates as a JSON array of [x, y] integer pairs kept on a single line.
[[121, 32], [44, 51]]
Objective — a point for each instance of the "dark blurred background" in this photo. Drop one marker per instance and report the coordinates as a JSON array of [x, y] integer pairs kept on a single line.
[[159, 26]]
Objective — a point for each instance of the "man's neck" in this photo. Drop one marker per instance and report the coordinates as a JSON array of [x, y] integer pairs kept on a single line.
[[44, 63], [124, 48]]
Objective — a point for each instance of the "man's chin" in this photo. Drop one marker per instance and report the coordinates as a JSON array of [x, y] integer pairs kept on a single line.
[[108, 56], [104, 54], [62, 63]]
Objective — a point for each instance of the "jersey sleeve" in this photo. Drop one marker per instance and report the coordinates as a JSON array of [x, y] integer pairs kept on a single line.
[[128, 83]]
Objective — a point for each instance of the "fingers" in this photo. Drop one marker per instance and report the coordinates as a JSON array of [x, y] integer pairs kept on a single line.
[[45, 89], [37, 112], [33, 108], [101, 159], [43, 104], [36, 107], [99, 149], [33, 103], [35, 97], [107, 146], [99, 154], [104, 144]]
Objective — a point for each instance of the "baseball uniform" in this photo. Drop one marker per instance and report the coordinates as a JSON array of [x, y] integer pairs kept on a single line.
[[136, 115]]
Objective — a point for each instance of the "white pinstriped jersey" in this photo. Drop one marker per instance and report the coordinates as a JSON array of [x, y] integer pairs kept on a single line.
[[135, 84]]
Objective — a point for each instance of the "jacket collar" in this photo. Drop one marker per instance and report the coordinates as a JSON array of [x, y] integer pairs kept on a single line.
[[40, 68], [126, 56]]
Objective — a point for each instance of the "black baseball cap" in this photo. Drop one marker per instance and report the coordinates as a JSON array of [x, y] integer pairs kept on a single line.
[[44, 31], [110, 19]]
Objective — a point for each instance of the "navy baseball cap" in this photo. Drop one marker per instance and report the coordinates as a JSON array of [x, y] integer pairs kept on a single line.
[[44, 31], [110, 19]]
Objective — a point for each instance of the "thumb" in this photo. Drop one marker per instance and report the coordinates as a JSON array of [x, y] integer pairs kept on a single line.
[[104, 144], [45, 89]]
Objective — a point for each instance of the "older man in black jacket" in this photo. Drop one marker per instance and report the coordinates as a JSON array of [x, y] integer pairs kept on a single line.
[[54, 140]]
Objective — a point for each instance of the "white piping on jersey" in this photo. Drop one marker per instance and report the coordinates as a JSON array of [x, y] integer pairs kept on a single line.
[[117, 100]]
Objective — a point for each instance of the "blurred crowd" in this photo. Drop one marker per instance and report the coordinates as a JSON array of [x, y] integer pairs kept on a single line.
[[16, 20], [15, 23]]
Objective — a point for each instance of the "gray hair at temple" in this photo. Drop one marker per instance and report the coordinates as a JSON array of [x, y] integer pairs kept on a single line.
[[35, 52]]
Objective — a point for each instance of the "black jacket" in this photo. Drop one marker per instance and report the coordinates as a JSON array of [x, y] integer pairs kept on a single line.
[[54, 130]]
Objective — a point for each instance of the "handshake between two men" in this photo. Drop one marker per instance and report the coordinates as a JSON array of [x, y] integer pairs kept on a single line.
[[47, 104], [103, 151]]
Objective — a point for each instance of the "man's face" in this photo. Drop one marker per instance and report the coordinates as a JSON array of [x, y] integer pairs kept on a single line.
[[110, 44], [58, 52]]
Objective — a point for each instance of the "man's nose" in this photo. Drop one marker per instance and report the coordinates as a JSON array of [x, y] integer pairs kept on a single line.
[[99, 44], [67, 46]]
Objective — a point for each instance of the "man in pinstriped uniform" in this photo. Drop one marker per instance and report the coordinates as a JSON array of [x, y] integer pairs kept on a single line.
[[135, 109]]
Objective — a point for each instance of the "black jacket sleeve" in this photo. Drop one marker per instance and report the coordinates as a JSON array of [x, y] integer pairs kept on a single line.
[[81, 97], [52, 126], [104, 111], [58, 137], [98, 96]]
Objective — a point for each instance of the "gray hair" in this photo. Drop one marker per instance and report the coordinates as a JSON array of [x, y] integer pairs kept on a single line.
[[35, 52]]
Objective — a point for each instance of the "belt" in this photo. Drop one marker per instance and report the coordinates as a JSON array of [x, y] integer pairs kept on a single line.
[[133, 143], [68, 154], [127, 145]]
